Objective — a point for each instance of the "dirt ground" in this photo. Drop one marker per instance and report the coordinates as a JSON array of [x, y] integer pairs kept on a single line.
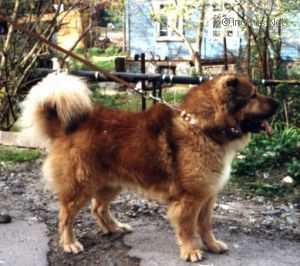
[[252, 224]]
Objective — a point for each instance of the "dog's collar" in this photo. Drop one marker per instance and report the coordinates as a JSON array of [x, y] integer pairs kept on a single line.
[[219, 135], [222, 136]]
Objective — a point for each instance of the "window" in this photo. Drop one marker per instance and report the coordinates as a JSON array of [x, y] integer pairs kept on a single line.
[[168, 24], [163, 24]]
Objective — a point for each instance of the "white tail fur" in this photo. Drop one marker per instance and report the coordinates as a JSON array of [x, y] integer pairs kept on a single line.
[[67, 95]]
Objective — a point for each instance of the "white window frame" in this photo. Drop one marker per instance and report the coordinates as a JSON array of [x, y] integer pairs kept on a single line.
[[171, 35]]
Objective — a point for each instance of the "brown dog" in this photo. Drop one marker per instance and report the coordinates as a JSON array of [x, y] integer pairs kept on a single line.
[[95, 152]]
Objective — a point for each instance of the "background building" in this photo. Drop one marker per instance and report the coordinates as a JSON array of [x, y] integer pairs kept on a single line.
[[143, 34]]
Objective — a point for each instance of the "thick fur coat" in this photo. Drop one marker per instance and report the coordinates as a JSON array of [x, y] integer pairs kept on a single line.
[[94, 152]]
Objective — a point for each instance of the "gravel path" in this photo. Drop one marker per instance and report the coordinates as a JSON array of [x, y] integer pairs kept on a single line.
[[260, 232]]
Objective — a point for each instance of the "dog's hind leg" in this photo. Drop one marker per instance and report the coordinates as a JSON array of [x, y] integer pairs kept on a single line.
[[205, 228], [69, 207], [101, 210], [183, 216]]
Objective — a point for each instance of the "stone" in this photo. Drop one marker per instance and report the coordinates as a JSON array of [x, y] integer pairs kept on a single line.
[[287, 180]]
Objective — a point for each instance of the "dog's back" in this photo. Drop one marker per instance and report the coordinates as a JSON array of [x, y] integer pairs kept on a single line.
[[92, 146]]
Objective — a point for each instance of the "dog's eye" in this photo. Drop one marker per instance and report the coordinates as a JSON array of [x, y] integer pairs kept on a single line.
[[253, 96]]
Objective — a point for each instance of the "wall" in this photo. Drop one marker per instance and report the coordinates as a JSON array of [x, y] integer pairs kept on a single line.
[[74, 24], [142, 34]]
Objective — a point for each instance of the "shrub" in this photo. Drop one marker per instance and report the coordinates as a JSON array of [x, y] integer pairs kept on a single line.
[[95, 51], [264, 154], [112, 50], [294, 169]]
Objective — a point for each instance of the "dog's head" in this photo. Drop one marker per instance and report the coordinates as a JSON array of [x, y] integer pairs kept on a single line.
[[249, 109], [231, 102]]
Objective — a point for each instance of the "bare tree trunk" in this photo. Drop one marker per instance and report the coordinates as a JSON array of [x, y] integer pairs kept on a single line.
[[199, 39], [278, 59], [124, 30], [249, 54], [6, 45], [265, 59]]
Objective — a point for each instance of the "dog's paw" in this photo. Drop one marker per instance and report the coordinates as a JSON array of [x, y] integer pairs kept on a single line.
[[217, 247], [124, 228], [193, 255], [74, 247], [116, 227]]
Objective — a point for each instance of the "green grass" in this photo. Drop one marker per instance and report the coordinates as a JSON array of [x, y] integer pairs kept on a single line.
[[106, 63], [173, 98], [12, 154], [103, 58], [118, 101], [129, 101]]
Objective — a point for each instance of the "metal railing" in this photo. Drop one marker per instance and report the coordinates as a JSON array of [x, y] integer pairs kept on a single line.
[[152, 82]]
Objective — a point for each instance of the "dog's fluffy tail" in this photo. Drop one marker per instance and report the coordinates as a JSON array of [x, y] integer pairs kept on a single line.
[[54, 106]]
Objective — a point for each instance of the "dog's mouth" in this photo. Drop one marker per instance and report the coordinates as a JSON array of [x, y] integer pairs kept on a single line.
[[256, 126]]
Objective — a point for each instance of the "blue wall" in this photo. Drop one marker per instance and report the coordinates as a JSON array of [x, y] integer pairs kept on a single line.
[[142, 37], [141, 33]]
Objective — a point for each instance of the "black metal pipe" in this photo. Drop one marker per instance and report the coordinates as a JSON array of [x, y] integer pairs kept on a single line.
[[136, 77], [163, 79]]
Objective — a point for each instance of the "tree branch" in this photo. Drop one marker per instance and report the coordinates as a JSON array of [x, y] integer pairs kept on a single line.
[[83, 34], [9, 35]]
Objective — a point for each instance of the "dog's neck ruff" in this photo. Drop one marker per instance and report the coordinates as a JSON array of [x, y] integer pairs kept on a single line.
[[230, 151]]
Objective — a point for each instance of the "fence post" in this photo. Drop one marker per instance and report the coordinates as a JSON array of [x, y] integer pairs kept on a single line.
[[154, 85], [225, 54], [143, 70], [120, 64], [157, 90]]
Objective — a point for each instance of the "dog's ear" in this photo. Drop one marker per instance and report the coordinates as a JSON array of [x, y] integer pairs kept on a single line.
[[232, 83], [235, 98]]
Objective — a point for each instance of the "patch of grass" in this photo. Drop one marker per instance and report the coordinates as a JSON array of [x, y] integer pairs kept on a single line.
[[103, 58], [123, 100], [129, 101], [173, 97], [12, 154], [106, 63]]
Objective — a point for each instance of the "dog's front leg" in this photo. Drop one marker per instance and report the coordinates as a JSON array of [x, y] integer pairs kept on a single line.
[[206, 230], [183, 216]]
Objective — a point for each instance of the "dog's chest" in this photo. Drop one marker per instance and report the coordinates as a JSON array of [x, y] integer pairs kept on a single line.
[[229, 154], [225, 174]]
